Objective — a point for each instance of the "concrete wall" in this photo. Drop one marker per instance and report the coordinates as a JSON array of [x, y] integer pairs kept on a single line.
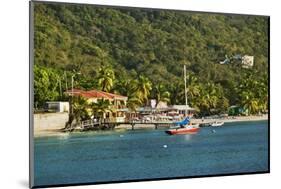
[[49, 121]]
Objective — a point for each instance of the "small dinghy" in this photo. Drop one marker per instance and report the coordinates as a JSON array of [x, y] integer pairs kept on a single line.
[[216, 124]]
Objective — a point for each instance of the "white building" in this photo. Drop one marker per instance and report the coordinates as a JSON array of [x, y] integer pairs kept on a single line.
[[247, 61], [56, 106], [180, 109]]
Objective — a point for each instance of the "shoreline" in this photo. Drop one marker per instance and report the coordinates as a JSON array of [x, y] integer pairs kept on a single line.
[[230, 119]]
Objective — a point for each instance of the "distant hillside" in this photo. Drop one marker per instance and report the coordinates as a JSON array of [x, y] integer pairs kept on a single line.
[[153, 43]]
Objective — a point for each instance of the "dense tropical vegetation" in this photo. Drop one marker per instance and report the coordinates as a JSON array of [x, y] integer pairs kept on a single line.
[[140, 53], [82, 110]]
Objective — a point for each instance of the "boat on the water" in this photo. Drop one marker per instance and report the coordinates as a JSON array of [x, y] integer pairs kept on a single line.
[[217, 123], [186, 130], [183, 127]]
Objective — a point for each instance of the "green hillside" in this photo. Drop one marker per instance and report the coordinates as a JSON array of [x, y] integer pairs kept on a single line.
[[140, 53]]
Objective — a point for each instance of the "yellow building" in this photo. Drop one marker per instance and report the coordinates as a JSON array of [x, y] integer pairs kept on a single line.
[[118, 103]]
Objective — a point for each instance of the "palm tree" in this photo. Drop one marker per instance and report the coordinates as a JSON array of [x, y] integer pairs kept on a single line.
[[133, 102], [176, 92], [100, 108], [161, 94], [80, 106], [203, 104], [106, 78], [223, 104], [249, 102], [209, 97], [193, 90], [80, 113], [262, 93], [253, 92], [141, 88], [123, 87]]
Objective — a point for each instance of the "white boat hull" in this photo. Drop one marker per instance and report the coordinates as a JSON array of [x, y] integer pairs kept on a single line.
[[216, 124]]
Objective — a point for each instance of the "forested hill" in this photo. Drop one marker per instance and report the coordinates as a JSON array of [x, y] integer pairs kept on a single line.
[[152, 43]]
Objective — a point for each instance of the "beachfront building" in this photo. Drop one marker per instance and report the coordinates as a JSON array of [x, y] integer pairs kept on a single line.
[[57, 106], [164, 112], [181, 110], [237, 110], [117, 109], [247, 61]]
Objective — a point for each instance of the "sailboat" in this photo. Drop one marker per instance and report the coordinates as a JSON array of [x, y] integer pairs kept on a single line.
[[184, 126]]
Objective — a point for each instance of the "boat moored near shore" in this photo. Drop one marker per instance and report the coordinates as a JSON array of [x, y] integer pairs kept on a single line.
[[183, 127], [216, 124], [186, 130]]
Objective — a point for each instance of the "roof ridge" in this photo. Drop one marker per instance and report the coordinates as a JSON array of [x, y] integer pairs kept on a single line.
[[95, 93]]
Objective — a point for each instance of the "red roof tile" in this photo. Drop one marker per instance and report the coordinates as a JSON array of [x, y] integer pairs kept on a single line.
[[95, 94], [110, 95]]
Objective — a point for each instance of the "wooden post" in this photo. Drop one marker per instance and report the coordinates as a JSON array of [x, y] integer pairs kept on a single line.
[[156, 126], [133, 126]]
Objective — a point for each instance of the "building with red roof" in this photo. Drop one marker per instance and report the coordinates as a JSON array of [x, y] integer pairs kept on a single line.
[[94, 94], [118, 102]]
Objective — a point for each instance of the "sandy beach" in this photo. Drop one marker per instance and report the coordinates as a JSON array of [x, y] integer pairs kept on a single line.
[[50, 132], [234, 119], [228, 119]]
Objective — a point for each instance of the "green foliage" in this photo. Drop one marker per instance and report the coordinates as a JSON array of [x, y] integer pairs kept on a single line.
[[80, 106], [100, 107], [161, 93], [253, 92], [105, 78], [83, 110], [133, 102], [141, 88], [46, 84], [134, 51]]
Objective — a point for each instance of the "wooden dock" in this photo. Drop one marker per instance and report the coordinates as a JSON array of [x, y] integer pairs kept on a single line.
[[156, 125], [91, 125]]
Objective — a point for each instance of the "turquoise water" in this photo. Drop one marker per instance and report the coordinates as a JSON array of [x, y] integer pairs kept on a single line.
[[146, 154]]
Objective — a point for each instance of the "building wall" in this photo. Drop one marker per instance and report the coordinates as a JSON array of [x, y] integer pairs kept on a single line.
[[49, 121], [64, 107], [58, 106]]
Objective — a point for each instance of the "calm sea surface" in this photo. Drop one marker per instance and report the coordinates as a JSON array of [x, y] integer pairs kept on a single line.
[[145, 154]]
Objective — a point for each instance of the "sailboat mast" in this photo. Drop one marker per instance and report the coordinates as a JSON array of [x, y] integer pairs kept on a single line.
[[185, 89]]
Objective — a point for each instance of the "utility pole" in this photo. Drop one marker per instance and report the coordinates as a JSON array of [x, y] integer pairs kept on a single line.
[[72, 81], [72, 91], [60, 88], [65, 77]]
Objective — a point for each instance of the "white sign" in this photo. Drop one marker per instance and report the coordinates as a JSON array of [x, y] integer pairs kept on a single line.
[[247, 61]]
